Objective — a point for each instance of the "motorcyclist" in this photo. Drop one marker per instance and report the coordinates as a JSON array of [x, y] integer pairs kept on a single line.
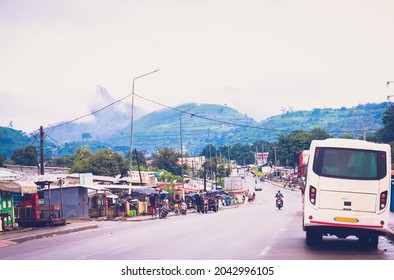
[[279, 199], [279, 194]]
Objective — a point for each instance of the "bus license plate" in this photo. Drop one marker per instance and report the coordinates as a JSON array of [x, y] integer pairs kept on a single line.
[[346, 220]]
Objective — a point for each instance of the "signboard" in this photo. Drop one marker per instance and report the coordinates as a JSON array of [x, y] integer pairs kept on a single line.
[[233, 182], [261, 158], [86, 179]]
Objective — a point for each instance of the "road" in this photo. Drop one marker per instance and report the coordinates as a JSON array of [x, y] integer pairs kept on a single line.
[[256, 231]]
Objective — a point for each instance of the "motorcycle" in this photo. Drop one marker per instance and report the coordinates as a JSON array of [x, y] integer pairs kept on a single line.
[[213, 204], [183, 208], [163, 212], [279, 202]]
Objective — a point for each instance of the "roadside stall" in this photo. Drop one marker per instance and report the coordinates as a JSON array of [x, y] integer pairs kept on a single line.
[[11, 193], [238, 196], [38, 209], [139, 200]]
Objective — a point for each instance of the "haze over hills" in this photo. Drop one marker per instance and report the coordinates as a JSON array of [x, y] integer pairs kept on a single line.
[[202, 124], [103, 122]]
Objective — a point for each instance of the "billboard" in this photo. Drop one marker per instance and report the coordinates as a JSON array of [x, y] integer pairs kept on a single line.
[[261, 158]]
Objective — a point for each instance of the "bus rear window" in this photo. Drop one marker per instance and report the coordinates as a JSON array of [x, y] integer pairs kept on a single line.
[[349, 163]]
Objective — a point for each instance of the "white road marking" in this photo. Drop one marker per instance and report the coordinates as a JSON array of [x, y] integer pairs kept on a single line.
[[265, 251], [200, 228]]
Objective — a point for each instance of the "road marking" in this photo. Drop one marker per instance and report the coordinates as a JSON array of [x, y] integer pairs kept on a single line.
[[200, 228], [265, 251]]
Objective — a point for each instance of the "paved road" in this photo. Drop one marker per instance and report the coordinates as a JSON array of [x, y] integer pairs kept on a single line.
[[251, 232]]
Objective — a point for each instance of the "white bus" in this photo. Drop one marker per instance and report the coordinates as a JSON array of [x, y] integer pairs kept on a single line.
[[347, 190]]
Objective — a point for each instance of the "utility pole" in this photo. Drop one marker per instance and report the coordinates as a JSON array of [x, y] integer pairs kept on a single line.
[[275, 156], [138, 164], [41, 150]]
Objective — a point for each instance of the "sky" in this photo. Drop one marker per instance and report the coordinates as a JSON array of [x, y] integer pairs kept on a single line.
[[258, 57]]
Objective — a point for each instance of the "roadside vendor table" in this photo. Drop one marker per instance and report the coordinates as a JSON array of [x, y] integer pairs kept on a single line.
[[3, 217]]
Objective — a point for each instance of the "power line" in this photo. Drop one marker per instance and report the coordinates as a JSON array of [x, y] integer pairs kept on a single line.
[[241, 125], [210, 119], [47, 135], [192, 115]]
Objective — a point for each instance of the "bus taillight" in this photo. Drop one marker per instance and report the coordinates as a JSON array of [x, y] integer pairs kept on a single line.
[[312, 195], [383, 200]]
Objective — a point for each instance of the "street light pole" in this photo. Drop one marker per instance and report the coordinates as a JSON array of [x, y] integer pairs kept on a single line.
[[132, 121], [180, 134]]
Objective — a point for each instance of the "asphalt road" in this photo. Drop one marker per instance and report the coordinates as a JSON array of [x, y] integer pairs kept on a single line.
[[256, 231]]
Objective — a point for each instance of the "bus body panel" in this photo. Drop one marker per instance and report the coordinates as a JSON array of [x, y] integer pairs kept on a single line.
[[343, 206]]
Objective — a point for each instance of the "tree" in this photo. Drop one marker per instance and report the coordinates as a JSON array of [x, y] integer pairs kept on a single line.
[[82, 162], [108, 163], [104, 162], [291, 145], [318, 133], [208, 151], [141, 158], [386, 134], [64, 161], [2, 159], [169, 177], [25, 156], [167, 159]]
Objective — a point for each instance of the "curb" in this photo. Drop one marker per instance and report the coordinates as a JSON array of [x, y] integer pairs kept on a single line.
[[49, 234]]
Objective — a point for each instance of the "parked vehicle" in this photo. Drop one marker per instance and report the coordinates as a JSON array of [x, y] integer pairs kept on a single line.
[[213, 204], [183, 208]]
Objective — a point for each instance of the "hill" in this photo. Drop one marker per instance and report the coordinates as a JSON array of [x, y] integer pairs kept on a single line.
[[337, 122], [204, 124], [11, 139]]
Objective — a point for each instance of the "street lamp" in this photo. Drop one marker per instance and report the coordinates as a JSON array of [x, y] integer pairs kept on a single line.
[[180, 133], [132, 121]]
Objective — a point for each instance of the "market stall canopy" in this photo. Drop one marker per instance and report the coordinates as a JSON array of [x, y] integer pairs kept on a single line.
[[18, 186], [142, 191]]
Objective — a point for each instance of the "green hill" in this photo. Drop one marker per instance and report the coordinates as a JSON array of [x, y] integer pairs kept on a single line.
[[11, 139], [204, 124]]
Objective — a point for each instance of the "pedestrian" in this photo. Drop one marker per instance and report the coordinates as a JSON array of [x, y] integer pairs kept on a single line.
[[152, 202]]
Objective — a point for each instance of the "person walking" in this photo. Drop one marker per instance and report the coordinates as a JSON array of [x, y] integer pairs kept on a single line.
[[152, 202]]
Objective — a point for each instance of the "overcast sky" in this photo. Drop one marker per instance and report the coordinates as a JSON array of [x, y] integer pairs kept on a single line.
[[255, 56]]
